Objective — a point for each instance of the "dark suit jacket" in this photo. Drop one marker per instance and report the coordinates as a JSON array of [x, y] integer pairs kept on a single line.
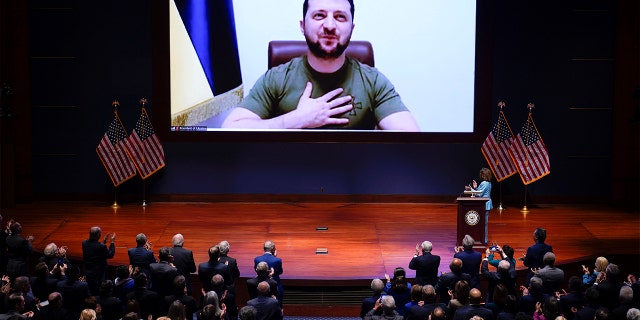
[[447, 281], [207, 270], [471, 265], [552, 279], [267, 307], [149, 302], [572, 299], [467, 312], [141, 257], [426, 267], [162, 275], [73, 295], [50, 313], [95, 255], [183, 260], [18, 252], [233, 265], [368, 304], [533, 258], [275, 263], [252, 286]]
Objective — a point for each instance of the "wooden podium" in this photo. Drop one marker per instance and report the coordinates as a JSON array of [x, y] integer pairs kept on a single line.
[[471, 211]]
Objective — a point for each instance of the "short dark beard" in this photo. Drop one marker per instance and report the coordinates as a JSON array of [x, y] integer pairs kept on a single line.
[[316, 49]]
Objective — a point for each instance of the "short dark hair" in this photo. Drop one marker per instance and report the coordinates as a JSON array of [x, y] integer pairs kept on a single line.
[[305, 8], [540, 234], [248, 313]]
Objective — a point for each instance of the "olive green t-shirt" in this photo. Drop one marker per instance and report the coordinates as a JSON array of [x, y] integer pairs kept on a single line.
[[278, 91]]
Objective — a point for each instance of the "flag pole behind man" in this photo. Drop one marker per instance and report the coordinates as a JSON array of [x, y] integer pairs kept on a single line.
[[529, 152], [113, 154]]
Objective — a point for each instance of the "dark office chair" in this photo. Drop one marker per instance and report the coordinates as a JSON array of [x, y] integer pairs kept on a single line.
[[282, 51]]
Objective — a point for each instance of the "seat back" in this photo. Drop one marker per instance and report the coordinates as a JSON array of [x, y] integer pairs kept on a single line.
[[281, 51]]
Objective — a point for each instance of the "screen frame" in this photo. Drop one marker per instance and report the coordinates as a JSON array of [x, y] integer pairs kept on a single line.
[[160, 104]]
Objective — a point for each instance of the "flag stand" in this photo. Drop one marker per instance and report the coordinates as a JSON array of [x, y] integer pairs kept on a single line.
[[144, 192], [524, 208], [115, 198], [500, 207]]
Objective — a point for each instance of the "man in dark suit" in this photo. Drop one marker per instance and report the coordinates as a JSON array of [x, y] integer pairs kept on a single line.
[[73, 291], [420, 312], [19, 250], [262, 274], [16, 308], [266, 306], [179, 293], [535, 253], [270, 256], [162, 273], [231, 262], [141, 256], [574, 299], [54, 310], [447, 281], [95, 255], [148, 300], [207, 270], [183, 260], [475, 308], [377, 286], [470, 260], [426, 265]]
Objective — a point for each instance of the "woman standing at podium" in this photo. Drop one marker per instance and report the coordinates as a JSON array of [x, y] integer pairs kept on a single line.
[[485, 192]]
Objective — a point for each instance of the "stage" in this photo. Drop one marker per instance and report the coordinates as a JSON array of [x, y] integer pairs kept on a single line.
[[362, 240]]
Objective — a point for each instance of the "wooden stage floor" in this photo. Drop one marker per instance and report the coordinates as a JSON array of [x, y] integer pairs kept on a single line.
[[364, 240]]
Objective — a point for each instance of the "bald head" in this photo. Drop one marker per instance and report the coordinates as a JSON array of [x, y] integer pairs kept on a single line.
[[475, 296], [455, 264], [263, 288]]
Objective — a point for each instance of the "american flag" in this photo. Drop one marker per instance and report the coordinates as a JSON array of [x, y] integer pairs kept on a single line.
[[113, 155], [144, 147], [496, 149], [529, 153]]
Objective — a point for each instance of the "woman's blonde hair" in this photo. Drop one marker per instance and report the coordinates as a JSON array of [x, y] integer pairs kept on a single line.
[[601, 264], [88, 314]]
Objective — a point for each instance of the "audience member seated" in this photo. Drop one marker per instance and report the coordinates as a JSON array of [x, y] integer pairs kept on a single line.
[[470, 260], [425, 265], [399, 288], [377, 286], [447, 281]]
